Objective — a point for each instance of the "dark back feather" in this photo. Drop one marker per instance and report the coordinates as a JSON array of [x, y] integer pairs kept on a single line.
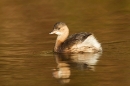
[[75, 39]]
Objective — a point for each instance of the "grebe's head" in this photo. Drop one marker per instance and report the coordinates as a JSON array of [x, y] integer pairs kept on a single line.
[[60, 28]]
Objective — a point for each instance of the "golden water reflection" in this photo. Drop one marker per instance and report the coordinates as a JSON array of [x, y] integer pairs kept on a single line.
[[65, 62], [24, 28]]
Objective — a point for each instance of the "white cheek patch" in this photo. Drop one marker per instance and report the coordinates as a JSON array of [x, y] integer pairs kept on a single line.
[[58, 33]]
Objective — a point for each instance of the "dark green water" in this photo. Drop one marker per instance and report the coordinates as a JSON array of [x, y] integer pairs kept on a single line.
[[26, 57]]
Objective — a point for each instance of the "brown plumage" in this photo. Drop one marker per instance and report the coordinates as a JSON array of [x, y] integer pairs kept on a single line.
[[79, 42]]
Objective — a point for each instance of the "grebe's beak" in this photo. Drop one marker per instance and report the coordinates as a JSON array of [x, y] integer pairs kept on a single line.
[[52, 32], [55, 32]]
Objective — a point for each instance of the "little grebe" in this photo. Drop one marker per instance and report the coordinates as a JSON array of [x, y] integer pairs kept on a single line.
[[79, 42]]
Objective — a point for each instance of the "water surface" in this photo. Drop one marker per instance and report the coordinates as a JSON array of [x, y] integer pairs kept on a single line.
[[26, 57]]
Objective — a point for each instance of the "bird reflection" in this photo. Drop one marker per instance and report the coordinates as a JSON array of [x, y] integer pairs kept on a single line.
[[65, 62]]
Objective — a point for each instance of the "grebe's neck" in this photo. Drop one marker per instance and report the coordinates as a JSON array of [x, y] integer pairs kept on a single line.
[[61, 38]]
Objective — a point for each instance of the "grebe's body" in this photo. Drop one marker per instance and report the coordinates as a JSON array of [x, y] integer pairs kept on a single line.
[[79, 42]]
